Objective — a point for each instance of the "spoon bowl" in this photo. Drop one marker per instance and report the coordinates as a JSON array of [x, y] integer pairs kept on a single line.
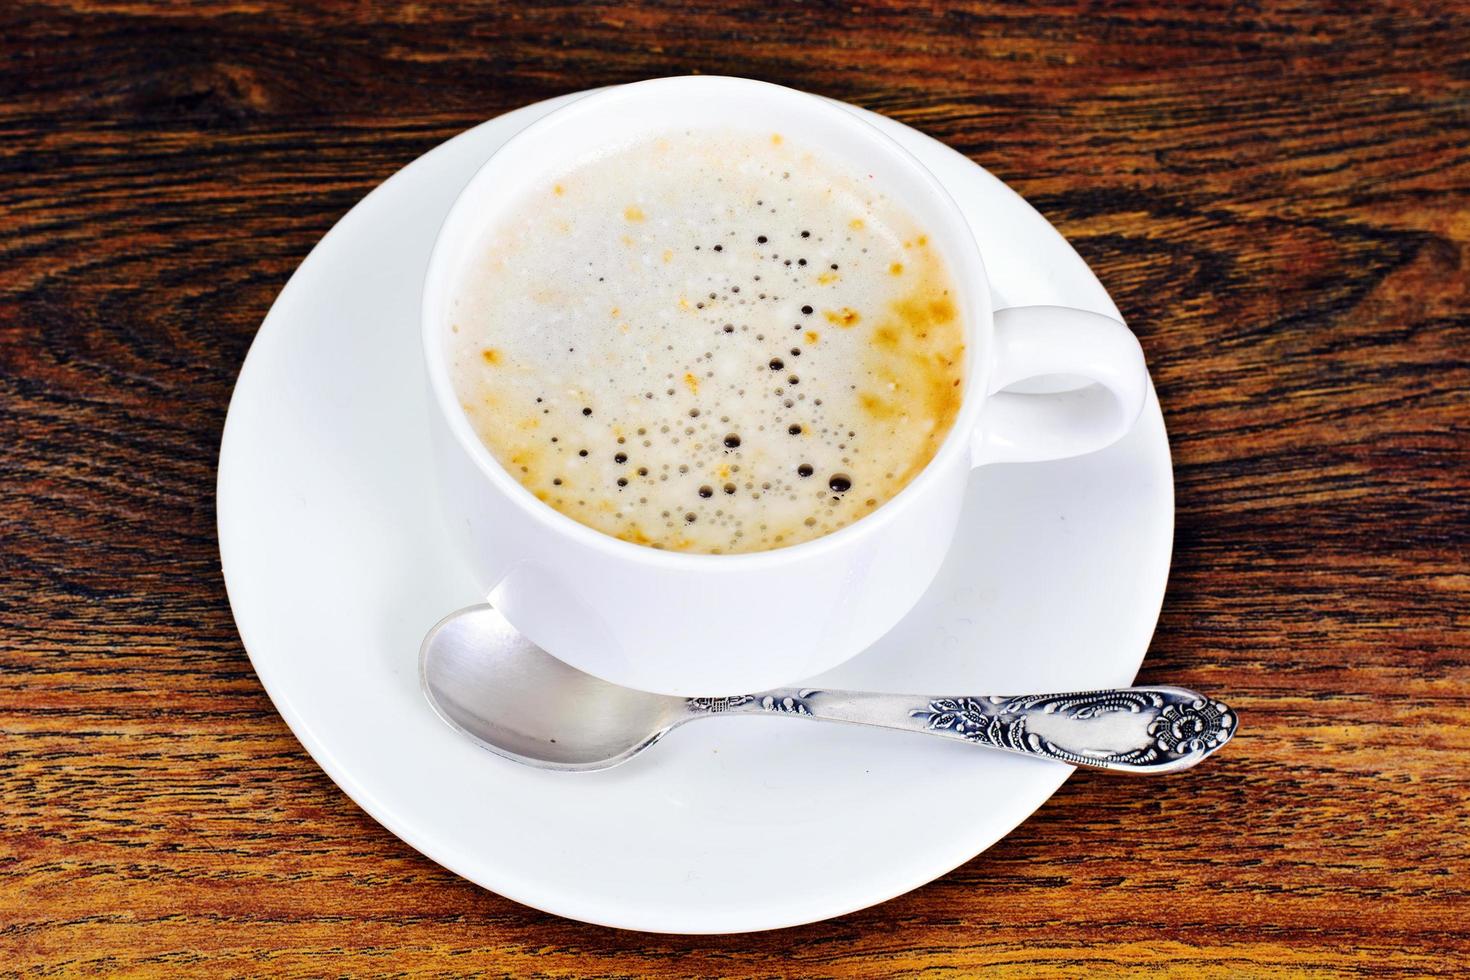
[[494, 685]]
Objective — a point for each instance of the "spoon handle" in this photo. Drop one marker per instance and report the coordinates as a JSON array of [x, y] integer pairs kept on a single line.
[[1128, 729]]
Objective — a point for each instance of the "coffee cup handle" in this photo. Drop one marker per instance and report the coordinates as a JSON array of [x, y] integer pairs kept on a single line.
[[1032, 341]]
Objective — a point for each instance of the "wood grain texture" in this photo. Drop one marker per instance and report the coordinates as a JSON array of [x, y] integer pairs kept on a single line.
[[1278, 197]]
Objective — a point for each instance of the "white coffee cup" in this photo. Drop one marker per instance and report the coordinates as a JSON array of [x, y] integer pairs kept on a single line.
[[695, 624]]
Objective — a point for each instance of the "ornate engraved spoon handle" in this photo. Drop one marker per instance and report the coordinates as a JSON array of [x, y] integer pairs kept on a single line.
[[1129, 729]]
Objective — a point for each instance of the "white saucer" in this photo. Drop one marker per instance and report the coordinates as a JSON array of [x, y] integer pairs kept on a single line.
[[337, 564]]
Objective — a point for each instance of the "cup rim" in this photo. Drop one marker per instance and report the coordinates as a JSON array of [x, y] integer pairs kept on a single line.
[[968, 271]]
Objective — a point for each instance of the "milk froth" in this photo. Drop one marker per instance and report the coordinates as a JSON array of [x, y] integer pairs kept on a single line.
[[711, 341]]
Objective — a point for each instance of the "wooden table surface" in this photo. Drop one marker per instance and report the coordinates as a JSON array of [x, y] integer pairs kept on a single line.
[[1278, 197]]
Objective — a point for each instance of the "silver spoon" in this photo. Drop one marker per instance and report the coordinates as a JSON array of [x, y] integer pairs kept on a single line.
[[504, 692]]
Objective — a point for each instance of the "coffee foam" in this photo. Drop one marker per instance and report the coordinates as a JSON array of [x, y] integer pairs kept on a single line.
[[711, 341]]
